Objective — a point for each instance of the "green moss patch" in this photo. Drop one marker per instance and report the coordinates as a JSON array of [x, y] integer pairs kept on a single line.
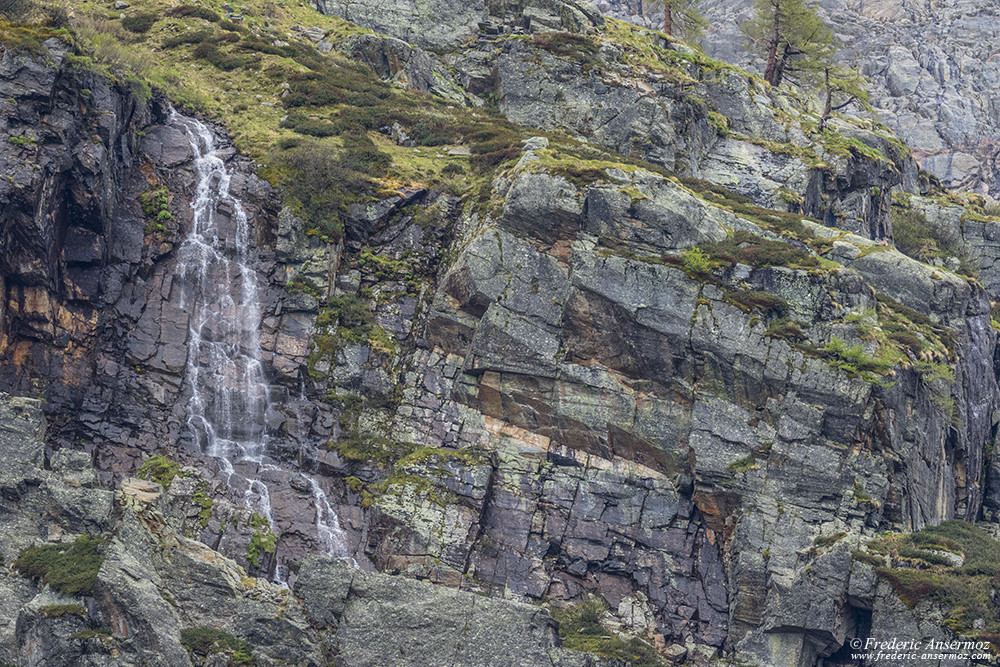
[[57, 610], [98, 633], [916, 237], [159, 469]]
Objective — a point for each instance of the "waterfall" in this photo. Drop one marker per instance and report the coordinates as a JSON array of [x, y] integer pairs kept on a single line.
[[220, 292], [328, 528], [229, 394]]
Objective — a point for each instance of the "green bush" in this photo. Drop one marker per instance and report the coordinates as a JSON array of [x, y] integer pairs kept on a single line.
[[746, 248], [190, 37], [204, 641], [289, 142], [159, 469], [319, 185], [907, 339], [854, 360], [227, 62], [70, 569], [361, 155], [347, 83], [829, 540], [262, 541], [696, 261], [748, 300], [140, 22], [21, 140], [156, 204], [316, 128], [916, 237], [786, 330], [348, 310]]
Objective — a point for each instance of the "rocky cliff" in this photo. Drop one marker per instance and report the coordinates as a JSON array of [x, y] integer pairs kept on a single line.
[[599, 326]]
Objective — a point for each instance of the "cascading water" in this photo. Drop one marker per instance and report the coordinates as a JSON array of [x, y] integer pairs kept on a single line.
[[230, 395]]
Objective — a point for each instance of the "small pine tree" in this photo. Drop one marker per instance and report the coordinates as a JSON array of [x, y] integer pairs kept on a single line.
[[793, 39], [681, 17]]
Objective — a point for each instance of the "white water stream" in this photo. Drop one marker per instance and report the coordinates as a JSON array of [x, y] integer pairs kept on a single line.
[[230, 395]]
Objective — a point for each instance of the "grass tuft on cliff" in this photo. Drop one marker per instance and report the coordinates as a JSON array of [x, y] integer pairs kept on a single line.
[[68, 568]]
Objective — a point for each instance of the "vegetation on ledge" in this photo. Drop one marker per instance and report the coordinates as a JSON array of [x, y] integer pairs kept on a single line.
[[581, 629], [263, 541], [159, 469], [57, 610], [70, 569], [953, 565]]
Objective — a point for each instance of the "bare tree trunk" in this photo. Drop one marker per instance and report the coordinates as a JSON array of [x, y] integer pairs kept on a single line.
[[771, 73], [668, 18]]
